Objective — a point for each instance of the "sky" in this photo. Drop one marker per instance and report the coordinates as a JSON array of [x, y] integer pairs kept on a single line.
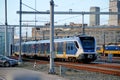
[[44, 5]]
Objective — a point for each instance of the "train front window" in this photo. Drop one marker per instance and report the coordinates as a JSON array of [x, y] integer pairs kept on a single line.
[[88, 43]]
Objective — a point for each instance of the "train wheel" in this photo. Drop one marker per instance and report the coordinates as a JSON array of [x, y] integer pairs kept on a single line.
[[35, 56], [24, 56], [73, 59], [63, 60], [86, 61], [48, 58], [69, 59]]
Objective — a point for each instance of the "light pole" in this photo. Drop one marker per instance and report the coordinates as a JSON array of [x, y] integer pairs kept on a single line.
[[12, 40], [26, 34], [20, 23], [51, 70], [1, 45], [43, 33], [35, 21], [104, 44], [116, 38], [6, 29], [83, 27]]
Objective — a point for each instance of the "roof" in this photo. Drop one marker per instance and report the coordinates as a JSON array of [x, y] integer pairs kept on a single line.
[[74, 38], [112, 47]]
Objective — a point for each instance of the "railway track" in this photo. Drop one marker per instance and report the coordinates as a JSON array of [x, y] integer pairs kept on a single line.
[[102, 68], [106, 68]]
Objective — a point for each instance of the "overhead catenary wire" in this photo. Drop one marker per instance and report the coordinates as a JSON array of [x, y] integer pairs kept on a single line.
[[29, 7], [35, 14], [61, 19], [67, 18]]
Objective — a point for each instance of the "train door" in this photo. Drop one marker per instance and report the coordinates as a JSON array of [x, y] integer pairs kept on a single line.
[[55, 48], [47, 48], [27, 48], [59, 49], [30, 50], [70, 48], [42, 49]]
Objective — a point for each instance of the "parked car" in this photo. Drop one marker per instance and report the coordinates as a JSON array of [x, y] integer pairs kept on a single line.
[[7, 62]]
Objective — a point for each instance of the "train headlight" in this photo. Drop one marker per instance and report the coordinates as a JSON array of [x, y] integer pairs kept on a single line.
[[90, 56]]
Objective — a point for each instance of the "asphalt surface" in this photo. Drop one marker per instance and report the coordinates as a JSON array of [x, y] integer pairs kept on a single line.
[[24, 74]]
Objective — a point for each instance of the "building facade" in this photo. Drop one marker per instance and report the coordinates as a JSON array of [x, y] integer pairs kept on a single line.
[[103, 34], [94, 18], [114, 6], [10, 40]]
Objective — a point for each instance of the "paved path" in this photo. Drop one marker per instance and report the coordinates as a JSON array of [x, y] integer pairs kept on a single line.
[[24, 74]]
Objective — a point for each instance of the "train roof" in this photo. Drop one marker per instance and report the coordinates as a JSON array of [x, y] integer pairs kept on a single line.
[[74, 38], [59, 40], [30, 42], [48, 41], [112, 47]]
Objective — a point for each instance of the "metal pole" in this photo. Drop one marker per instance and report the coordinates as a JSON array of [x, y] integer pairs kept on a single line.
[[43, 35], [1, 44], [12, 40], [35, 20], [20, 23], [83, 27], [35, 35], [6, 29], [35, 28], [26, 35], [104, 44], [51, 70]]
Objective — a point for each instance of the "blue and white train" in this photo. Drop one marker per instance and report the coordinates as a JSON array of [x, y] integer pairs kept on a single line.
[[77, 48]]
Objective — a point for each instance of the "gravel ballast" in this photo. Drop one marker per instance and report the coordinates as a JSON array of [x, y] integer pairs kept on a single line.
[[70, 74]]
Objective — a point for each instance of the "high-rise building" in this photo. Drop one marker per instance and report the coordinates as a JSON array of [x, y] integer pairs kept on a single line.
[[94, 18], [114, 6]]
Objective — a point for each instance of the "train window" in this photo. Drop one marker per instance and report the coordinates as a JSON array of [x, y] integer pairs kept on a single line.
[[28, 49], [37, 49], [76, 44], [71, 47], [68, 47], [87, 42]]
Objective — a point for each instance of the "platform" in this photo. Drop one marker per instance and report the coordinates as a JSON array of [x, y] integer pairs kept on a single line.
[[24, 74]]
